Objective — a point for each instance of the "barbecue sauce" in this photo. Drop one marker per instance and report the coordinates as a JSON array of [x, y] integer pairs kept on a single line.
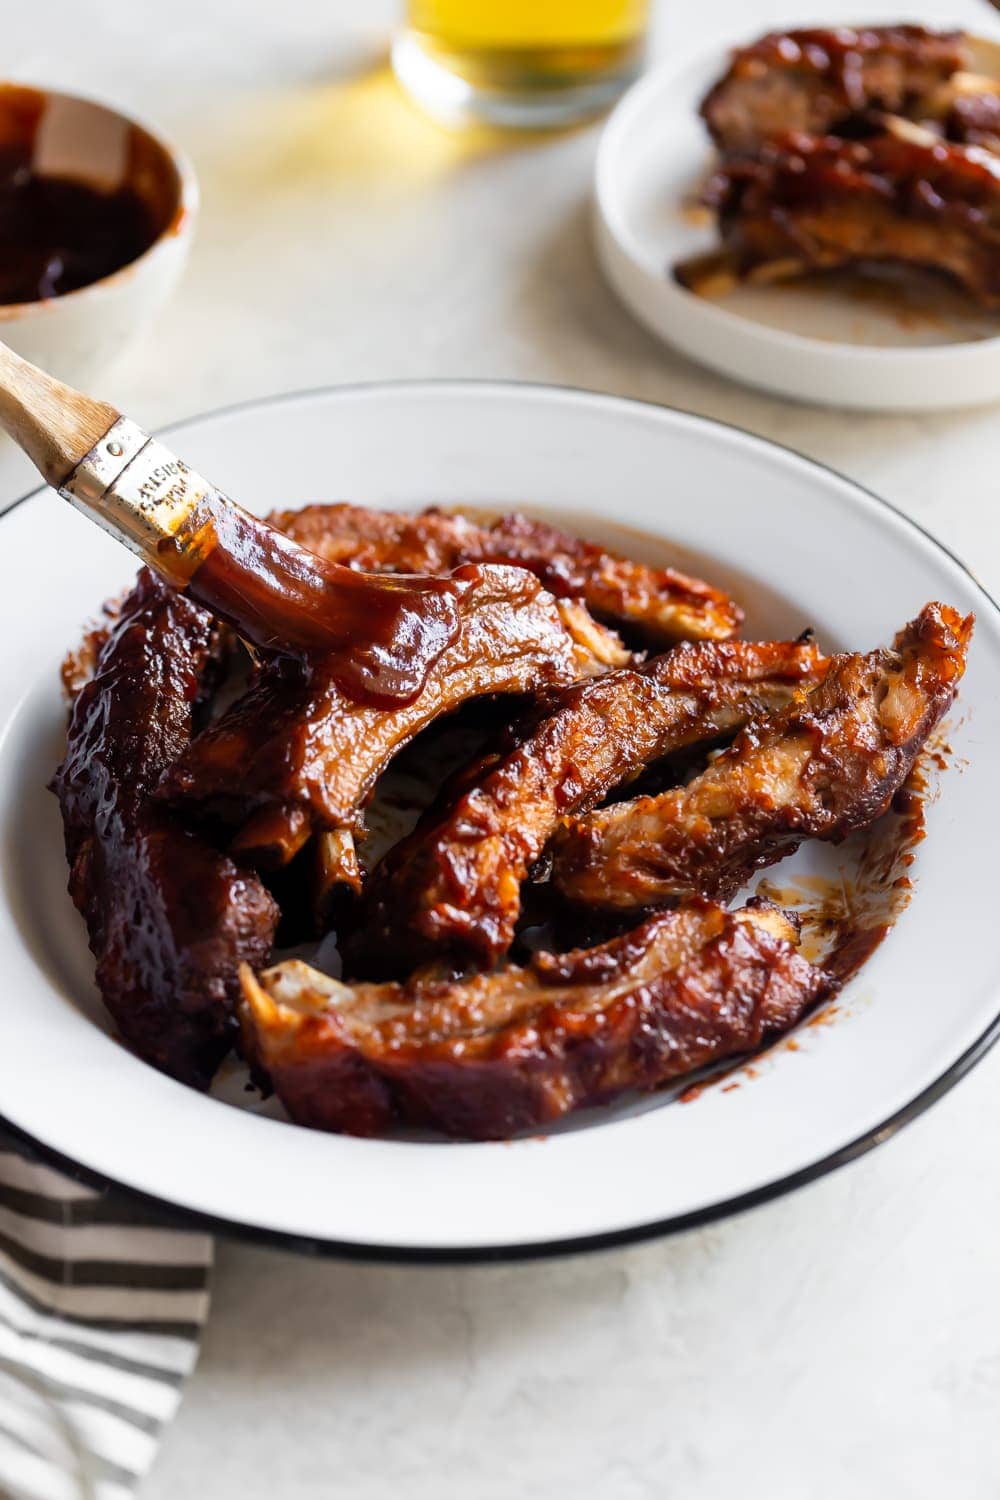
[[58, 234], [379, 634]]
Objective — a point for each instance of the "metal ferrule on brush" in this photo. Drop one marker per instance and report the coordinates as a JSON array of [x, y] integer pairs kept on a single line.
[[139, 492]]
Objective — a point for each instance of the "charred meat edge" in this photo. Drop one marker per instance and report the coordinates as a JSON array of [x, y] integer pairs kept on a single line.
[[169, 918], [825, 766], [489, 1056], [454, 885]]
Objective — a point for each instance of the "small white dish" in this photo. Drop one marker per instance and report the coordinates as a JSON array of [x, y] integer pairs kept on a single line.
[[828, 345], [784, 534], [78, 334]]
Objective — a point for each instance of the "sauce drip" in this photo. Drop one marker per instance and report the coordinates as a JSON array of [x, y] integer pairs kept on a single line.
[[58, 234], [379, 634]]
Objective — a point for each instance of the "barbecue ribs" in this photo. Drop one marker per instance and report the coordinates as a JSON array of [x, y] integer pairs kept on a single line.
[[819, 81], [488, 1056], [974, 119], [826, 765], [454, 886], [295, 755], [170, 919], [807, 203], [660, 605]]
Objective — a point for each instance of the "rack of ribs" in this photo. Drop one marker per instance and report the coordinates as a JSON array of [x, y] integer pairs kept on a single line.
[[296, 756], [485, 1057], [170, 919], [659, 605], [823, 767], [806, 203], [153, 787], [454, 885], [818, 81]]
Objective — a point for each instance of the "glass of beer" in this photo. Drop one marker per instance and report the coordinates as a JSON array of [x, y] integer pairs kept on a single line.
[[527, 63]]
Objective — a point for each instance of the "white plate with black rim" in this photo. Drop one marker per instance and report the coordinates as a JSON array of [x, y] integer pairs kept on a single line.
[[905, 345], [800, 546]]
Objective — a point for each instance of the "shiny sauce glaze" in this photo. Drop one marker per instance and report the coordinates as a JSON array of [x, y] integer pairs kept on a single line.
[[58, 234], [379, 635], [844, 919]]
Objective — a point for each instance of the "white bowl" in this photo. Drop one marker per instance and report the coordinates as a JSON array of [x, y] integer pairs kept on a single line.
[[784, 534], [76, 335], [807, 344]]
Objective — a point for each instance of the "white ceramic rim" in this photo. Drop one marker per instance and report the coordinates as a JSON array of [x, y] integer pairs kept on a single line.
[[181, 225], [871, 1137], [651, 294]]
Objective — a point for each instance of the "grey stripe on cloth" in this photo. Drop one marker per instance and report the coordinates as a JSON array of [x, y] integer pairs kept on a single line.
[[101, 1311]]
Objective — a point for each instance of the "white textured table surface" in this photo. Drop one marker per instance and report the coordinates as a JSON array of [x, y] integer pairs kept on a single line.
[[843, 1341]]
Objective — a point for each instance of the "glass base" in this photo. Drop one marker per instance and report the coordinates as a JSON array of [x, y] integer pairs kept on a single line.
[[449, 98]]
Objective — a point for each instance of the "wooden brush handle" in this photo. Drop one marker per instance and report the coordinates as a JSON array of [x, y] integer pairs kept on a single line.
[[275, 593], [54, 424]]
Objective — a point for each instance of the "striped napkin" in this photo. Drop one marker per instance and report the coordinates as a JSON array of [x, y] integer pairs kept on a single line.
[[101, 1312]]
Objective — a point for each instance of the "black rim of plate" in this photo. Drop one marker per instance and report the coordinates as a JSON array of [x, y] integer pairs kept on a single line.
[[186, 1218]]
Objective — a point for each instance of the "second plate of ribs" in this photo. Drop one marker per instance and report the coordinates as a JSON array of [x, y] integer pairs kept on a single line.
[[817, 213]]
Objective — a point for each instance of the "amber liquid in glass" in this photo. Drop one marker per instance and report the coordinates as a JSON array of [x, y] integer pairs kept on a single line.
[[520, 62]]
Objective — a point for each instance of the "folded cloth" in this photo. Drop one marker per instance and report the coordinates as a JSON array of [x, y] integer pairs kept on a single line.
[[102, 1305]]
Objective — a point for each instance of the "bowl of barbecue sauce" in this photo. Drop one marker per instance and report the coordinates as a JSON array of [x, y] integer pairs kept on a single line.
[[96, 218]]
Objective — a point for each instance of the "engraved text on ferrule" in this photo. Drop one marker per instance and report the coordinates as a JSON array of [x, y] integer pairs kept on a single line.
[[157, 477]]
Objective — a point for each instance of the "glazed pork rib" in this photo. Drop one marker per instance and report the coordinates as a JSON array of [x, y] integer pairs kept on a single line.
[[808, 203], [659, 604], [974, 118], [295, 755], [488, 1056], [170, 919], [454, 886], [825, 766], [818, 80]]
